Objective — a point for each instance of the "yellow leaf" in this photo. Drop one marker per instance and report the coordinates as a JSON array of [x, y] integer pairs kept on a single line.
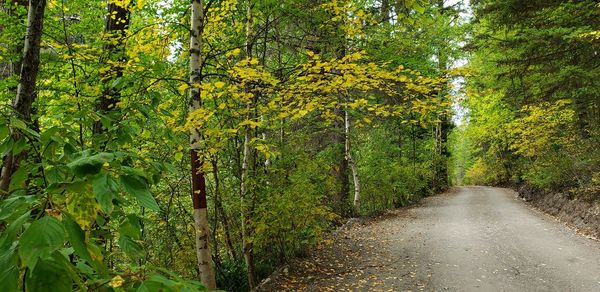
[[116, 281], [235, 52], [183, 87], [250, 123], [83, 207]]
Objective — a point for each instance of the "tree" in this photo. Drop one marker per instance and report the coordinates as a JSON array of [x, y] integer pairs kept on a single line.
[[205, 269], [285, 107], [248, 162], [26, 90], [532, 110], [442, 127], [117, 25]]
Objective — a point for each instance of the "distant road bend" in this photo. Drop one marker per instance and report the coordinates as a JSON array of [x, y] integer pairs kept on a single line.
[[470, 239]]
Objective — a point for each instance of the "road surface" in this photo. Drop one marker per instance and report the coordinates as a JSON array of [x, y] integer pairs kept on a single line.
[[471, 239]]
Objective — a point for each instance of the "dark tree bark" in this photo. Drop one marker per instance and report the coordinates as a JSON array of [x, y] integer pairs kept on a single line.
[[221, 211], [443, 127], [26, 90], [117, 24], [385, 10], [341, 170], [342, 175]]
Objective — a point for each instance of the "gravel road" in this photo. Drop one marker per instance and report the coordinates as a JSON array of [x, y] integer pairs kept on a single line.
[[486, 239], [470, 239]]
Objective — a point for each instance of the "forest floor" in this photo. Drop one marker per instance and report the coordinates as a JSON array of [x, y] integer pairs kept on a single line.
[[470, 239]]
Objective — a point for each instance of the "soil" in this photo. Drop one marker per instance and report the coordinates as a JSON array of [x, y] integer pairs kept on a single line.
[[579, 213]]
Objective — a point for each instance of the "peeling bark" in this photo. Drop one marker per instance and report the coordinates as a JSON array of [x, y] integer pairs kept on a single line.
[[205, 268], [351, 162]]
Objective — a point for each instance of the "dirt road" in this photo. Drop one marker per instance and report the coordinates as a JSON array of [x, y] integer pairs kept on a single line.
[[471, 239]]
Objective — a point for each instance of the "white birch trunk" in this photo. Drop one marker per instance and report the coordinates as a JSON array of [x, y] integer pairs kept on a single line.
[[351, 161], [205, 269]]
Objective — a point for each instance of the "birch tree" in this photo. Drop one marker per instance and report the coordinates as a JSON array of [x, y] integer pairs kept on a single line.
[[205, 269], [351, 162]]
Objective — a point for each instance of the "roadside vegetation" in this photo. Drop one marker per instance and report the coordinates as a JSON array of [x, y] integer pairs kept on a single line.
[[533, 112], [183, 145]]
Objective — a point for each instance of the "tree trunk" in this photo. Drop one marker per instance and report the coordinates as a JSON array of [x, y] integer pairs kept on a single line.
[[219, 208], [443, 126], [205, 268], [351, 162], [341, 204], [247, 248], [385, 10], [400, 7], [246, 245], [343, 208], [26, 94], [117, 24]]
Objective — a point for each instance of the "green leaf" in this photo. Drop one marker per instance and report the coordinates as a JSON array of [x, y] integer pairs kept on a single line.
[[137, 186], [9, 271], [76, 238], [169, 167], [162, 280], [178, 156], [18, 124], [52, 134], [155, 99], [158, 282], [132, 171], [10, 233], [105, 189], [418, 8], [69, 149], [100, 220], [131, 247], [117, 83], [40, 240], [105, 120], [84, 268], [14, 205], [19, 146], [90, 165], [4, 131], [142, 287], [18, 178], [131, 226], [6, 147], [50, 274]]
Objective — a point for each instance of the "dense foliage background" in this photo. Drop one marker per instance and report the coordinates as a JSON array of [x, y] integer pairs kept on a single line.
[[532, 97], [310, 112], [123, 122]]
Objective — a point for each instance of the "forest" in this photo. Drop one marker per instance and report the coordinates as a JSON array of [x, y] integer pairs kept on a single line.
[[201, 144]]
